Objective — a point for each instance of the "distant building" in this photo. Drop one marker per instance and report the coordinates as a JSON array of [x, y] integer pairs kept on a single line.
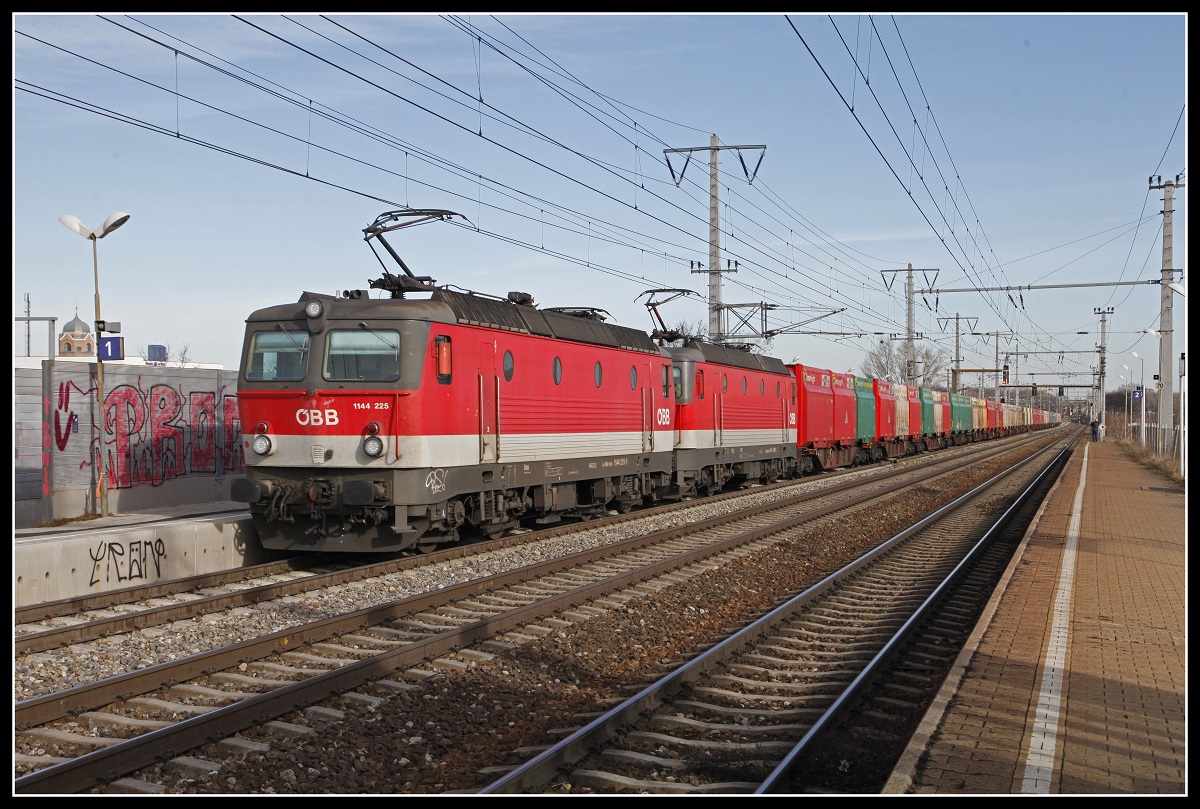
[[76, 339], [77, 343]]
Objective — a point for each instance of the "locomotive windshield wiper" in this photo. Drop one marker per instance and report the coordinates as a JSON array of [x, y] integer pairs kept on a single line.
[[301, 347], [382, 339]]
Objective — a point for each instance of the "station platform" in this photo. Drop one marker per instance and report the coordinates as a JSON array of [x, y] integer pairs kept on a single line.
[[90, 556], [1075, 680], [226, 509]]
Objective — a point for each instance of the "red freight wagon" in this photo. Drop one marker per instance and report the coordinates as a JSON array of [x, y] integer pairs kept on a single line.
[[845, 410], [815, 406], [885, 411]]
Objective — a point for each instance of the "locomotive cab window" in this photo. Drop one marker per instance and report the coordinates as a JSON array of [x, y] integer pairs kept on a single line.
[[277, 355], [368, 355]]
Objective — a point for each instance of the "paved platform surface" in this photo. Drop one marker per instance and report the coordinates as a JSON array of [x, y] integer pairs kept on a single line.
[[1075, 681], [219, 509]]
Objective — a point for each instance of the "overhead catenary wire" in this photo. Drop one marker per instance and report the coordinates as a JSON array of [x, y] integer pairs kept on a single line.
[[761, 242]]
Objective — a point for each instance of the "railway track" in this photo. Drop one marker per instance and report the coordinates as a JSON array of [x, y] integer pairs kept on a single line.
[[52, 625], [745, 716], [218, 693]]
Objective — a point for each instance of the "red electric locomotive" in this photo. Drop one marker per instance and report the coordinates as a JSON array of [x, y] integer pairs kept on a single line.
[[381, 424], [395, 422], [735, 418]]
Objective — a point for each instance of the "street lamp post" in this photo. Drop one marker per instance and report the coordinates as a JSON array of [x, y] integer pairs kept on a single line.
[[1139, 357], [1179, 289], [112, 223], [1127, 384]]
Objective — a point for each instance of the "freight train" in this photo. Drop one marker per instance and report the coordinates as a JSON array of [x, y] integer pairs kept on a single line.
[[382, 424]]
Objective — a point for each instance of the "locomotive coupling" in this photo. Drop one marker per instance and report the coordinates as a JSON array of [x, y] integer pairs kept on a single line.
[[363, 492], [247, 490]]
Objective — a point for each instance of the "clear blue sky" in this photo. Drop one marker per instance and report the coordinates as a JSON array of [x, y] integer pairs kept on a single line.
[[250, 152]]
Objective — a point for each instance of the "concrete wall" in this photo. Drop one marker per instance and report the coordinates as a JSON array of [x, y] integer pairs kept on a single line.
[[86, 562], [172, 437]]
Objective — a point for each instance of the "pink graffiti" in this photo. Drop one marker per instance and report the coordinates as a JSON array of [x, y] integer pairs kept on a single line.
[[62, 436], [125, 411], [235, 461], [203, 420], [149, 437], [166, 439]]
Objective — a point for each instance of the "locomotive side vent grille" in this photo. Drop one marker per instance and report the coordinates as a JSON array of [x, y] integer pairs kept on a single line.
[[318, 453]]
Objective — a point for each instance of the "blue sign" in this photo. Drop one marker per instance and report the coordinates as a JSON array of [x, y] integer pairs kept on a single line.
[[112, 348], [1137, 394]]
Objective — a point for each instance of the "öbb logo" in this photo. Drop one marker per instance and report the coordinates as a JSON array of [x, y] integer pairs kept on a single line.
[[317, 418]]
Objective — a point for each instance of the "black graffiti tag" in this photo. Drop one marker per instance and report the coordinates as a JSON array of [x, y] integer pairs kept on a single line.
[[129, 561]]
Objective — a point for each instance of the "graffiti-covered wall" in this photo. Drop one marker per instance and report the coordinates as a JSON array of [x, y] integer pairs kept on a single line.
[[170, 436]]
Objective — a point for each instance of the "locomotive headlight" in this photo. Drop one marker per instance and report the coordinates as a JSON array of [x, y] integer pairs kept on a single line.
[[373, 446], [261, 445], [313, 308]]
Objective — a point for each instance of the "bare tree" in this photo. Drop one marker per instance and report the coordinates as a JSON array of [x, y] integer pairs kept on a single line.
[[888, 359], [691, 329], [682, 332], [184, 355]]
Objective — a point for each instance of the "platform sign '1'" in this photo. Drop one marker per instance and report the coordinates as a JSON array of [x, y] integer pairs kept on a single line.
[[112, 348]]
